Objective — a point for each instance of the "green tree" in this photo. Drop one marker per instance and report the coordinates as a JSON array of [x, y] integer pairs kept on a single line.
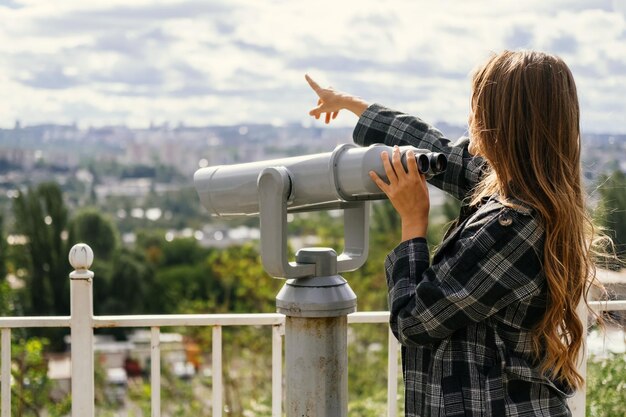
[[131, 277], [3, 251], [97, 230], [123, 275], [606, 389], [7, 296], [90, 226], [31, 387], [244, 284], [41, 216], [177, 287], [185, 251], [151, 243], [611, 211], [179, 274]]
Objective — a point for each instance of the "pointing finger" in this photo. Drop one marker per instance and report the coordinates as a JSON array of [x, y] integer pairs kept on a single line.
[[315, 86]]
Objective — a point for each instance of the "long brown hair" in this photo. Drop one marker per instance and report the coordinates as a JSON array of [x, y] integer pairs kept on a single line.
[[526, 122]]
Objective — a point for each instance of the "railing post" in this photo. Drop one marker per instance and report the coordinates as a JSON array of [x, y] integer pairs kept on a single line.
[[278, 330], [155, 371], [216, 372], [316, 337], [81, 258], [392, 375], [5, 389]]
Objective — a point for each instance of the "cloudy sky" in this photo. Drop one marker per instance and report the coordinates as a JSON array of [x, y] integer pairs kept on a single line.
[[204, 62]]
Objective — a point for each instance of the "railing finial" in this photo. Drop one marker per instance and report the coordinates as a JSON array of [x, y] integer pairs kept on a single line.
[[81, 258]]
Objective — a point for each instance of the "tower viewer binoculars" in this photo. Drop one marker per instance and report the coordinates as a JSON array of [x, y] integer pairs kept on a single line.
[[315, 182], [333, 180]]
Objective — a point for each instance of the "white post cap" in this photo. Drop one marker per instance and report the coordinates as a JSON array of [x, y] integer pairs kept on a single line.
[[81, 258]]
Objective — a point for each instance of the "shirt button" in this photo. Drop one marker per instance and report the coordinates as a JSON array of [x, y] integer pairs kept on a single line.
[[505, 220]]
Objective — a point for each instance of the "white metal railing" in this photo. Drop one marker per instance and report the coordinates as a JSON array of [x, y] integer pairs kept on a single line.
[[155, 322], [82, 324]]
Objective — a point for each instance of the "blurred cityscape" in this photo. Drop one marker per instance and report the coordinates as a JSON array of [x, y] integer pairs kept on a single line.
[[137, 175], [129, 173]]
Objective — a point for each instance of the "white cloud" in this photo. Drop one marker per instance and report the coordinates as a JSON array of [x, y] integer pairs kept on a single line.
[[108, 61]]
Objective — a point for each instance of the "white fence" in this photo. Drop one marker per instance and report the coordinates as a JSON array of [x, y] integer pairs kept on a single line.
[[82, 323]]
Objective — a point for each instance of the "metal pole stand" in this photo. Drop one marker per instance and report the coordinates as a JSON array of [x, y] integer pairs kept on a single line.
[[315, 300], [316, 337]]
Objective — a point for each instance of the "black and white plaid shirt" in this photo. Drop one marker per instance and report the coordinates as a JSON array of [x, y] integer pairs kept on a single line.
[[465, 320]]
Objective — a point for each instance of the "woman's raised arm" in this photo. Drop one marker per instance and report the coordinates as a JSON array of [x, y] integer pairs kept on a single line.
[[378, 124]]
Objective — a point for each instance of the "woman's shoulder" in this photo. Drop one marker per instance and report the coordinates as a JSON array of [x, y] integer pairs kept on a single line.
[[496, 219]]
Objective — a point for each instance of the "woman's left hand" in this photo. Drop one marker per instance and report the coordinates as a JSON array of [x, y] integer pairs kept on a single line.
[[407, 191]]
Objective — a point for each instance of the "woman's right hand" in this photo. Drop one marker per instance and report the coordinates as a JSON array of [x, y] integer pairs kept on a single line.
[[330, 101], [408, 192]]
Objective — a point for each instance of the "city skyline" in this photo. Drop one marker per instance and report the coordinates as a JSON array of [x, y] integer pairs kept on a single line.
[[239, 62]]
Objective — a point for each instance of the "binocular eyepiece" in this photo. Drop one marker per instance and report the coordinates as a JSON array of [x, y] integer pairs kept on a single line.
[[429, 164]]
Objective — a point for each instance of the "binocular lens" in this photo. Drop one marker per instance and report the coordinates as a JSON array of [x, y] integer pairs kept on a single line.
[[438, 162], [423, 163], [429, 163]]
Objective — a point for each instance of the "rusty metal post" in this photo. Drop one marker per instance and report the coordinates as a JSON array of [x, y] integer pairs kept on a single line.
[[316, 337]]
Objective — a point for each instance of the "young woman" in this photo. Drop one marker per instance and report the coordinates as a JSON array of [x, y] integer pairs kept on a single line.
[[489, 327]]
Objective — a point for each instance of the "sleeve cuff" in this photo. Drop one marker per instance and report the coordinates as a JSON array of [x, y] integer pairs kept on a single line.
[[359, 135], [407, 260], [418, 247]]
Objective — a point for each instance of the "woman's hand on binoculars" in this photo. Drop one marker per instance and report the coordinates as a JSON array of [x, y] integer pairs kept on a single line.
[[408, 192], [331, 101]]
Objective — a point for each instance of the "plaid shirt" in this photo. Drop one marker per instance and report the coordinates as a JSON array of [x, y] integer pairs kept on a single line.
[[464, 321]]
